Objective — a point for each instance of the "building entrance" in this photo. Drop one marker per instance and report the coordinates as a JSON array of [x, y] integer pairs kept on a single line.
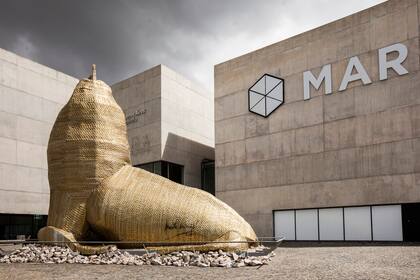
[[411, 222], [207, 176]]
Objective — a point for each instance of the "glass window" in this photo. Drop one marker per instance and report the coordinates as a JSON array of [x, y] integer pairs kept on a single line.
[[172, 171], [157, 167], [306, 223], [284, 224], [12, 225], [147, 167], [164, 169]]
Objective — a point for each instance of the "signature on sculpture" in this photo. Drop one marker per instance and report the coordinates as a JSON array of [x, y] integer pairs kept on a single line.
[[95, 193]]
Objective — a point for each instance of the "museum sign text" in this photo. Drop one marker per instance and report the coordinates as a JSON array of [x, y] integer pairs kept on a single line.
[[355, 71]]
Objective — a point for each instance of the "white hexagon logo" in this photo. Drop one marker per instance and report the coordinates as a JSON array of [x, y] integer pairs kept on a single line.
[[266, 95]]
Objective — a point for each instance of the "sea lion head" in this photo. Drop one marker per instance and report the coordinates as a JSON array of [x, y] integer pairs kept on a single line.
[[88, 141]]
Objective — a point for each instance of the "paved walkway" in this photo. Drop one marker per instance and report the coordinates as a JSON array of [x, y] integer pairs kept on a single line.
[[364, 262]]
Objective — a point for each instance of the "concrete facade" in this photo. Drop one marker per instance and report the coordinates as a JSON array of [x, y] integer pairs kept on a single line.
[[168, 118], [360, 146], [31, 95]]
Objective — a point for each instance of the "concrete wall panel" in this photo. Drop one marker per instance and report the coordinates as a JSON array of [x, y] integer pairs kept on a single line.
[[24, 202], [8, 125], [8, 148], [31, 95]]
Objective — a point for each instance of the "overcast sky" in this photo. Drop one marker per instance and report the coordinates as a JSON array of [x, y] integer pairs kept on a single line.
[[127, 37]]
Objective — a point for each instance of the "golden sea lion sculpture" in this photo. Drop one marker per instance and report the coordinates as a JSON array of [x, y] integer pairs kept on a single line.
[[95, 193]]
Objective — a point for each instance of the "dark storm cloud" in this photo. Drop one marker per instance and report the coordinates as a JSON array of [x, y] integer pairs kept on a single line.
[[126, 37]]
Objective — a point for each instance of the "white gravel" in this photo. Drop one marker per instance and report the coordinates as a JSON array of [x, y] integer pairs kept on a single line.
[[58, 255], [307, 262]]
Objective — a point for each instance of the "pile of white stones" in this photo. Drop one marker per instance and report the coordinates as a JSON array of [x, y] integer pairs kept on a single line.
[[56, 254]]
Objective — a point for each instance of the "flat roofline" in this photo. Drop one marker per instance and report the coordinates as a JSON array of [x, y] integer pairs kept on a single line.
[[197, 86], [297, 35], [158, 66], [24, 62]]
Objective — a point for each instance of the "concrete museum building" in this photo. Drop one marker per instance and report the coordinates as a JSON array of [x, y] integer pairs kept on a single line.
[[318, 136]]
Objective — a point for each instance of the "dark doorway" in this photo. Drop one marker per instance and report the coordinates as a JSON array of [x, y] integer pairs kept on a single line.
[[175, 171], [411, 222], [207, 176]]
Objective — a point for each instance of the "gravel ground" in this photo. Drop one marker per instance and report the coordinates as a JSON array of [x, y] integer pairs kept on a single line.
[[357, 262], [36, 253]]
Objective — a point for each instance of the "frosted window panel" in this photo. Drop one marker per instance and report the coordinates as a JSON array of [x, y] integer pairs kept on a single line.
[[387, 223], [284, 224], [307, 224], [357, 223], [331, 224]]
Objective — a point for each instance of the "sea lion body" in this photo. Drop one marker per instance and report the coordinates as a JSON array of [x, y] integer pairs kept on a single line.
[[95, 190]]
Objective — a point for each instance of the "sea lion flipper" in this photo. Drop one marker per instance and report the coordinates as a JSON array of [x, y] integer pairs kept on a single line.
[[62, 237]]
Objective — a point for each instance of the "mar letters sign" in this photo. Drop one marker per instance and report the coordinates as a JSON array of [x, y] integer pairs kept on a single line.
[[267, 94]]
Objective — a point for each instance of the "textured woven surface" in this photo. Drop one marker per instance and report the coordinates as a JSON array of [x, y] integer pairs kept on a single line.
[[96, 192]]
